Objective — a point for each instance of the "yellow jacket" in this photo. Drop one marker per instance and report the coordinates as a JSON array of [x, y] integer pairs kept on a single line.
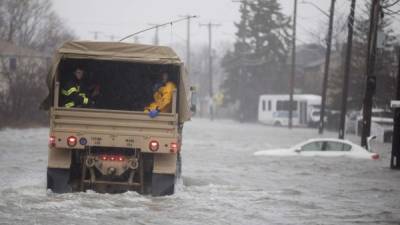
[[162, 98]]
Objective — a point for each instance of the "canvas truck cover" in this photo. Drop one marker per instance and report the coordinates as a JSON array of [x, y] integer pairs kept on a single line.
[[119, 51]]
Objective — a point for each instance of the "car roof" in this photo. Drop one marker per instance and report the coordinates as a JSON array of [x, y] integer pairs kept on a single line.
[[330, 139]]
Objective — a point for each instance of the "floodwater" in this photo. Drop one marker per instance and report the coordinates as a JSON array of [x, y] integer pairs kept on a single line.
[[222, 183]]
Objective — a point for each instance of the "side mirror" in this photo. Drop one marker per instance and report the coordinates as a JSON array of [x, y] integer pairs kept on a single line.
[[193, 100], [297, 150]]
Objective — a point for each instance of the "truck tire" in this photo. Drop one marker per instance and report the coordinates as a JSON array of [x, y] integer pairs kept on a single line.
[[162, 184], [57, 180]]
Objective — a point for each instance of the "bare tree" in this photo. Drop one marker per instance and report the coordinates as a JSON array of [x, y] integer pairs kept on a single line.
[[32, 23], [33, 26]]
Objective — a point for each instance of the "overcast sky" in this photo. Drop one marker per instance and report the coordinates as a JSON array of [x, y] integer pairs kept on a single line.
[[118, 18]]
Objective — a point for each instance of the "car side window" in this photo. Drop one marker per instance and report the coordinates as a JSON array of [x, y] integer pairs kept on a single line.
[[313, 146], [346, 147], [336, 146]]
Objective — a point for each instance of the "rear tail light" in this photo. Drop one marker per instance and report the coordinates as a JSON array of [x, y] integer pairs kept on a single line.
[[375, 156], [52, 141], [173, 147], [71, 141], [154, 145]]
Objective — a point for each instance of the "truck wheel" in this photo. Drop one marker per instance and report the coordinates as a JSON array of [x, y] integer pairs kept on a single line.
[[57, 180], [162, 184]]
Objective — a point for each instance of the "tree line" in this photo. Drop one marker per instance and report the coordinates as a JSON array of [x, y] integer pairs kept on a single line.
[[259, 61], [30, 31]]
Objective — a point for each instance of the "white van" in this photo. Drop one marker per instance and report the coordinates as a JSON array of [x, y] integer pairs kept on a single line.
[[274, 110]]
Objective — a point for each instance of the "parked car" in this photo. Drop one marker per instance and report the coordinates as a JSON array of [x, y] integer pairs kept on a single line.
[[329, 147]]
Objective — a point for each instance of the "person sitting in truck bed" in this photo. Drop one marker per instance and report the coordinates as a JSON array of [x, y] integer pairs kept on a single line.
[[163, 93], [73, 94]]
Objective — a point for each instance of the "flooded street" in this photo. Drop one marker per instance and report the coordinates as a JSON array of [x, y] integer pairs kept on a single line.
[[222, 183]]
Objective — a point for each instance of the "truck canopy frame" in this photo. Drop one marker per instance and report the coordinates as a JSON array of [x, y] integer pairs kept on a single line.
[[122, 52]]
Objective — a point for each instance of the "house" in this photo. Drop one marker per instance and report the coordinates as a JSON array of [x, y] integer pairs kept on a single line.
[[310, 68], [12, 57]]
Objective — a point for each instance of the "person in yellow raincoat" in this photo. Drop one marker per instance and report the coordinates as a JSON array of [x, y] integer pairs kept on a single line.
[[163, 93]]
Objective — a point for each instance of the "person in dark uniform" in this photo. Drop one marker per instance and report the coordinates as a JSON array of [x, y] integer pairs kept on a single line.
[[73, 93]]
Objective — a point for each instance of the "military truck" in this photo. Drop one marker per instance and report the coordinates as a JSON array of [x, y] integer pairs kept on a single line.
[[114, 146]]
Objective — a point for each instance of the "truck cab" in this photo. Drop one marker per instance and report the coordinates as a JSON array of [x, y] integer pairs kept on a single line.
[[113, 145]]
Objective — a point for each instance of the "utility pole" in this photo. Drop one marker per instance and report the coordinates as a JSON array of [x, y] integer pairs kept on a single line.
[[210, 63], [242, 80], [395, 156], [96, 34], [371, 78], [326, 71], [345, 91], [188, 44], [112, 37], [188, 52], [291, 83], [156, 38]]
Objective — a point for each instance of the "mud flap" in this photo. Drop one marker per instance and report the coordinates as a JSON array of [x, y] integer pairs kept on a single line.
[[162, 184], [59, 158], [164, 163], [166, 171], [57, 180]]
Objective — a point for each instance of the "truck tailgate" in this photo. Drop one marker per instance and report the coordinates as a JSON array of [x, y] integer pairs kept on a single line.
[[112, 128]]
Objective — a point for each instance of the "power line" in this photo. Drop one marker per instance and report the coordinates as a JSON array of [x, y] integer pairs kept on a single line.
[[157, 26]]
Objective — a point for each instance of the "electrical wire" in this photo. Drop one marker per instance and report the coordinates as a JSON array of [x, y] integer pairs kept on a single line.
[[157, 26]]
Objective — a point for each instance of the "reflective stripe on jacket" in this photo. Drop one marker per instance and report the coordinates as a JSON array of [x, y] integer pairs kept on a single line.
[[72, 95]]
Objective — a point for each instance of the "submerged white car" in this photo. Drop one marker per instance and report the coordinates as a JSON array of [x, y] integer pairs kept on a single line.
[[329, 147]]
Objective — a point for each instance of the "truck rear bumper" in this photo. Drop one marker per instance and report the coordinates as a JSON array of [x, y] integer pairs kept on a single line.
[[85, 139]]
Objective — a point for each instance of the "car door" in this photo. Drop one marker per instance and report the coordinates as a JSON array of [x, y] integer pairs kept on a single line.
[[312, 148]]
